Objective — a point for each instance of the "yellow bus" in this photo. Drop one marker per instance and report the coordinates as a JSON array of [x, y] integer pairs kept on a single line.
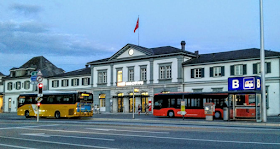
[[56, 104]]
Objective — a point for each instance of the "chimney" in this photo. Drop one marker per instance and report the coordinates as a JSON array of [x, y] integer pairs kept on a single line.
[[196, 53], [183, 43], [86, 65]]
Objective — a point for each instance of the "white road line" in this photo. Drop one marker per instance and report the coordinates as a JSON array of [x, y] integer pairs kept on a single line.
[[20, 127], [14, 146], [128, 130], [158, 137], [47, 135], [60, 143]]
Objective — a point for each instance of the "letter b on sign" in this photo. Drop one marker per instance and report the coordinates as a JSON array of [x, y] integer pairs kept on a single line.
[[235, 84]]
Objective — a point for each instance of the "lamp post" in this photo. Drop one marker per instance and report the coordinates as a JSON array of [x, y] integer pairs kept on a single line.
[[263, 109], [133, 104]]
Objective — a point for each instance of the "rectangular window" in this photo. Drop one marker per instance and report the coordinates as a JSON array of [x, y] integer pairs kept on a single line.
[[197, 90], [64, 82], [217, 71], [55, 83], [165, 71], [143, 74], [257, 68], [85, 81], [238, 70], [102, 77], [10, 86], [18, 85], [130, 74], [75, 82], [119, 76], [197, 73], [26, 84], [217, 89]]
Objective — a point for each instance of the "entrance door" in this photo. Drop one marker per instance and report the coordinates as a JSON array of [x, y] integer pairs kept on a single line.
[[120, 104], [131, 105], [144, 101]]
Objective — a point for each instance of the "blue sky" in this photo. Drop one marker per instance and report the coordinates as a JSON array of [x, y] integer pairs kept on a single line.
[[71, 33]]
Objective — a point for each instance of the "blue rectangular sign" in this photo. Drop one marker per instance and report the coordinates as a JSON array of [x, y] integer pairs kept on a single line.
[[244, 83]]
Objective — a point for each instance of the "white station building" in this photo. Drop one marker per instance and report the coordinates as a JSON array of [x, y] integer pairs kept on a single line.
[[151, 70]]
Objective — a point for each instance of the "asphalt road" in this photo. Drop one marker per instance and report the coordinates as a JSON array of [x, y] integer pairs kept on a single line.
[[108, 131]]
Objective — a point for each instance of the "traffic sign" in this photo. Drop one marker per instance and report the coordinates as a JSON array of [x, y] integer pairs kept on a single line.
[[39, 73], [39, 79], [34, 73], [39, 99], [33, 78]]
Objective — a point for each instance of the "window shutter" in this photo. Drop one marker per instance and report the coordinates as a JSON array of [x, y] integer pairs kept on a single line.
[[52, 83], [202, 72], [57, 83], [232, 70], [72, 82], [62, 82], [255, 69], [67, 82], [83, 81], [244, 69], [211, 71], [88, 81], [268, 67], [192, 73], [223, 70], [77, 82]]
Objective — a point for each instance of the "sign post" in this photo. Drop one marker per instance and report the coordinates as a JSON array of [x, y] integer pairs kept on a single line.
[[183, 111]]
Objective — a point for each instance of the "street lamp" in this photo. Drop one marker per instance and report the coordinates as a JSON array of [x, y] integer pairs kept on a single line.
[[262, 64]]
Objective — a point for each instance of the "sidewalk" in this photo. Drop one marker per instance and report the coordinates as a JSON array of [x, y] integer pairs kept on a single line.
[[272, 121]]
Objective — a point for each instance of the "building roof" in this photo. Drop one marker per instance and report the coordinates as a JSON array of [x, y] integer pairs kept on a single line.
[[1, 74], [42, 64], [243, 54], [79, 72], [150, 52]]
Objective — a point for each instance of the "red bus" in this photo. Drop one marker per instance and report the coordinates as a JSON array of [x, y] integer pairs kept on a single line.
[[169, 104]]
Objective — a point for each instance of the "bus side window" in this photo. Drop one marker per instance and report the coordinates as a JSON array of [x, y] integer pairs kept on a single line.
[[58, 99], [179, 103], [50, 99], [173, 102]]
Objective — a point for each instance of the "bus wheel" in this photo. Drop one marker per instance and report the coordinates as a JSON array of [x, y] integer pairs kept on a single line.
[[26, 114], [57, 114], [217, 115], [170, 113]]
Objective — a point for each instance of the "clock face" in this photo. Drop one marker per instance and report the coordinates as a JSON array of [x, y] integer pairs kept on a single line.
[[130, 52]]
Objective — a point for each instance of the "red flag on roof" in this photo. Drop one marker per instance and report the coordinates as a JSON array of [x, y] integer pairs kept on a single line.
[[137, 25]]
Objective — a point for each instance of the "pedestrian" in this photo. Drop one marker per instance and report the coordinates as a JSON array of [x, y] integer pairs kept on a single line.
[[95, 108], [147, 109], [139, 109]]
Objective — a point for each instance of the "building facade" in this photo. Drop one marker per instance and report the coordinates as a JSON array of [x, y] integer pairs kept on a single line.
[[115, 80], [210, 73], [19, 80], [149, 70]]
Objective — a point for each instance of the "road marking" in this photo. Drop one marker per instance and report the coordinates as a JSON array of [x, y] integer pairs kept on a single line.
[[60, 143], [127, 130], [158, 137], [14, 146], [35, 134], [45, 135], [28, 127]]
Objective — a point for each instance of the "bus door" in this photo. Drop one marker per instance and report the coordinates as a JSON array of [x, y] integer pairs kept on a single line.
[[194, 107]]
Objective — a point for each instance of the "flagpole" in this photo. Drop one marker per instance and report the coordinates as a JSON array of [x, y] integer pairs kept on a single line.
[[138, 30]]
